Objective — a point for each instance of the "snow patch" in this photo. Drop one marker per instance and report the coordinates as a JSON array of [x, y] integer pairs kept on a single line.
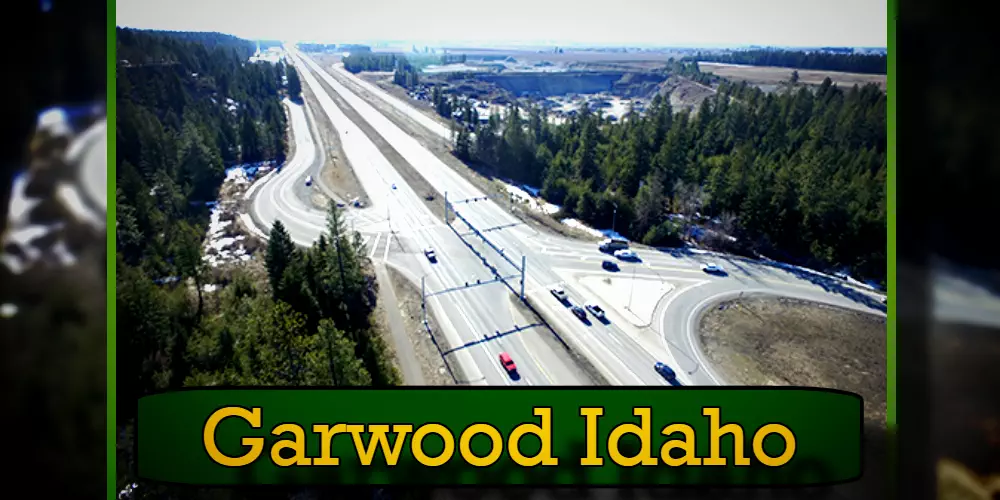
[[576, 224], [529, 195]]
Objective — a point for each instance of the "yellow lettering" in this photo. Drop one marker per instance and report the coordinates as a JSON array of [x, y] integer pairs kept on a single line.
[[496, 447], [641, 431], [256, 444], [379, 439], [418, 451], [298, 445], [758, 445], [687, 444], [716, 434], [591, 414], [326, 433], [544, 433]]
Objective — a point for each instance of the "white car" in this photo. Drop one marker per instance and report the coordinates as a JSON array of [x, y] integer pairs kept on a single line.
[[626, 253], [595, 310], [309, 180], [431, 256], [712, 268], [559, 294]]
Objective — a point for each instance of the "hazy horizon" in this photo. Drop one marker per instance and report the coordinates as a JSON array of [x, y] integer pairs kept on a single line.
[[580, 23]]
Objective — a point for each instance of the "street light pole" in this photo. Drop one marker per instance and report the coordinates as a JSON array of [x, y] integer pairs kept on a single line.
[[423, 299], [614, 218], [631, 288]]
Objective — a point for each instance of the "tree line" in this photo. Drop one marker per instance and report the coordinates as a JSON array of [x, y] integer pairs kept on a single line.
[[853, 63], [799, 176], [304, 320], [371, 61]]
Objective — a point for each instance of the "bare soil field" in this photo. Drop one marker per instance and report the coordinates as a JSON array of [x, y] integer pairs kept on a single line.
[[437, 370], [764, 340], [769, 75], [685, 94], [336, 173]]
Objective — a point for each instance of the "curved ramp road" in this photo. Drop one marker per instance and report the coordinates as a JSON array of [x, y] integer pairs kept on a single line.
[[466, 315], [624, 354]]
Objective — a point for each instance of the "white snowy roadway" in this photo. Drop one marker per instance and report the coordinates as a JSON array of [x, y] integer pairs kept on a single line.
[[624, 355], [407, 226]]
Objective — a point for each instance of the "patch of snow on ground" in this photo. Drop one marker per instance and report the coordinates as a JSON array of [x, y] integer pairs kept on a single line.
[[550, 208], [529, 196], [576, 224]]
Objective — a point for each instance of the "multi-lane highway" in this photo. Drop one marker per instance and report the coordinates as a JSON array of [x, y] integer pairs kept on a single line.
[[480, 320], [398, 223]]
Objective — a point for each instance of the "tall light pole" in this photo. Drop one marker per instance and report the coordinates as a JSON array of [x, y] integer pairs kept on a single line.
[[631, 288], [423, 299], [614, 218]]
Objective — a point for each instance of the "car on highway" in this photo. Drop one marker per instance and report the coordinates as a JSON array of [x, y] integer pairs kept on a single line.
[[429, 253], [712, 269], [609, 265], [394, 186], [610, 245], [309, 180], [507, 363], [559, 294], [579, 312], [596, 311], [626, 254], [665, 372]]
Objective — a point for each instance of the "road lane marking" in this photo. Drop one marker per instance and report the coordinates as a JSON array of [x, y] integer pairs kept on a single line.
[[513, 313], [371, 254], [388, 243]]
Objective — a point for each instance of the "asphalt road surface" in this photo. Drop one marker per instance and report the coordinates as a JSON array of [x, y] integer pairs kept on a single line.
[[480, 320]]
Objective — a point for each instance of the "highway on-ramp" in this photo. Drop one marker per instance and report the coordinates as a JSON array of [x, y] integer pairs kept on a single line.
[[623, 354], [478, 320]]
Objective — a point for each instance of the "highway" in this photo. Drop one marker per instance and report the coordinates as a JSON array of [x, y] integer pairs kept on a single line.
[[621, 351], [397, 226]]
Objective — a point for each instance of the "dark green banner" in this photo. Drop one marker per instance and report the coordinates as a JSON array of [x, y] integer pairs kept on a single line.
[[501, 436]]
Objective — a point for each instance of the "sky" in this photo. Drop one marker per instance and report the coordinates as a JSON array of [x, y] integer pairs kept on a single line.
[[690, 23]]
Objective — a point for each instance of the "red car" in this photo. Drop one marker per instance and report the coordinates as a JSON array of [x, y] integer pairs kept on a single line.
[[507, 363]]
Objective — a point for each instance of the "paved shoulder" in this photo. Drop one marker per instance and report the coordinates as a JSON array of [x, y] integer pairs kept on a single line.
[[408, 363]]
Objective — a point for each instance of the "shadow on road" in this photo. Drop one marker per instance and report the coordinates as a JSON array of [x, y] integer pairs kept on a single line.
[[494, 336]]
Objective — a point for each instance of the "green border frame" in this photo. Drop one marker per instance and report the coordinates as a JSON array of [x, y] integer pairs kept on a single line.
[[891, 415], [890, 344], [111, 104]]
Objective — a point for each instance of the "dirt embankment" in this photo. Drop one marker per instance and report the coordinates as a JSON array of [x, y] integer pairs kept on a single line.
[[430, 196], [437, 368], [336, 173], [779, 341], [684, 93]]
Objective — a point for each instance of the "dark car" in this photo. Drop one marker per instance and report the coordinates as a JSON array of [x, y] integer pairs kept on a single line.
[[579, 312], [609, 265], [665, 372]]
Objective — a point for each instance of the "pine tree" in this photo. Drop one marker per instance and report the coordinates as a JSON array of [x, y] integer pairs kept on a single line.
[[252, 147], [280, 253], [294, 84]]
